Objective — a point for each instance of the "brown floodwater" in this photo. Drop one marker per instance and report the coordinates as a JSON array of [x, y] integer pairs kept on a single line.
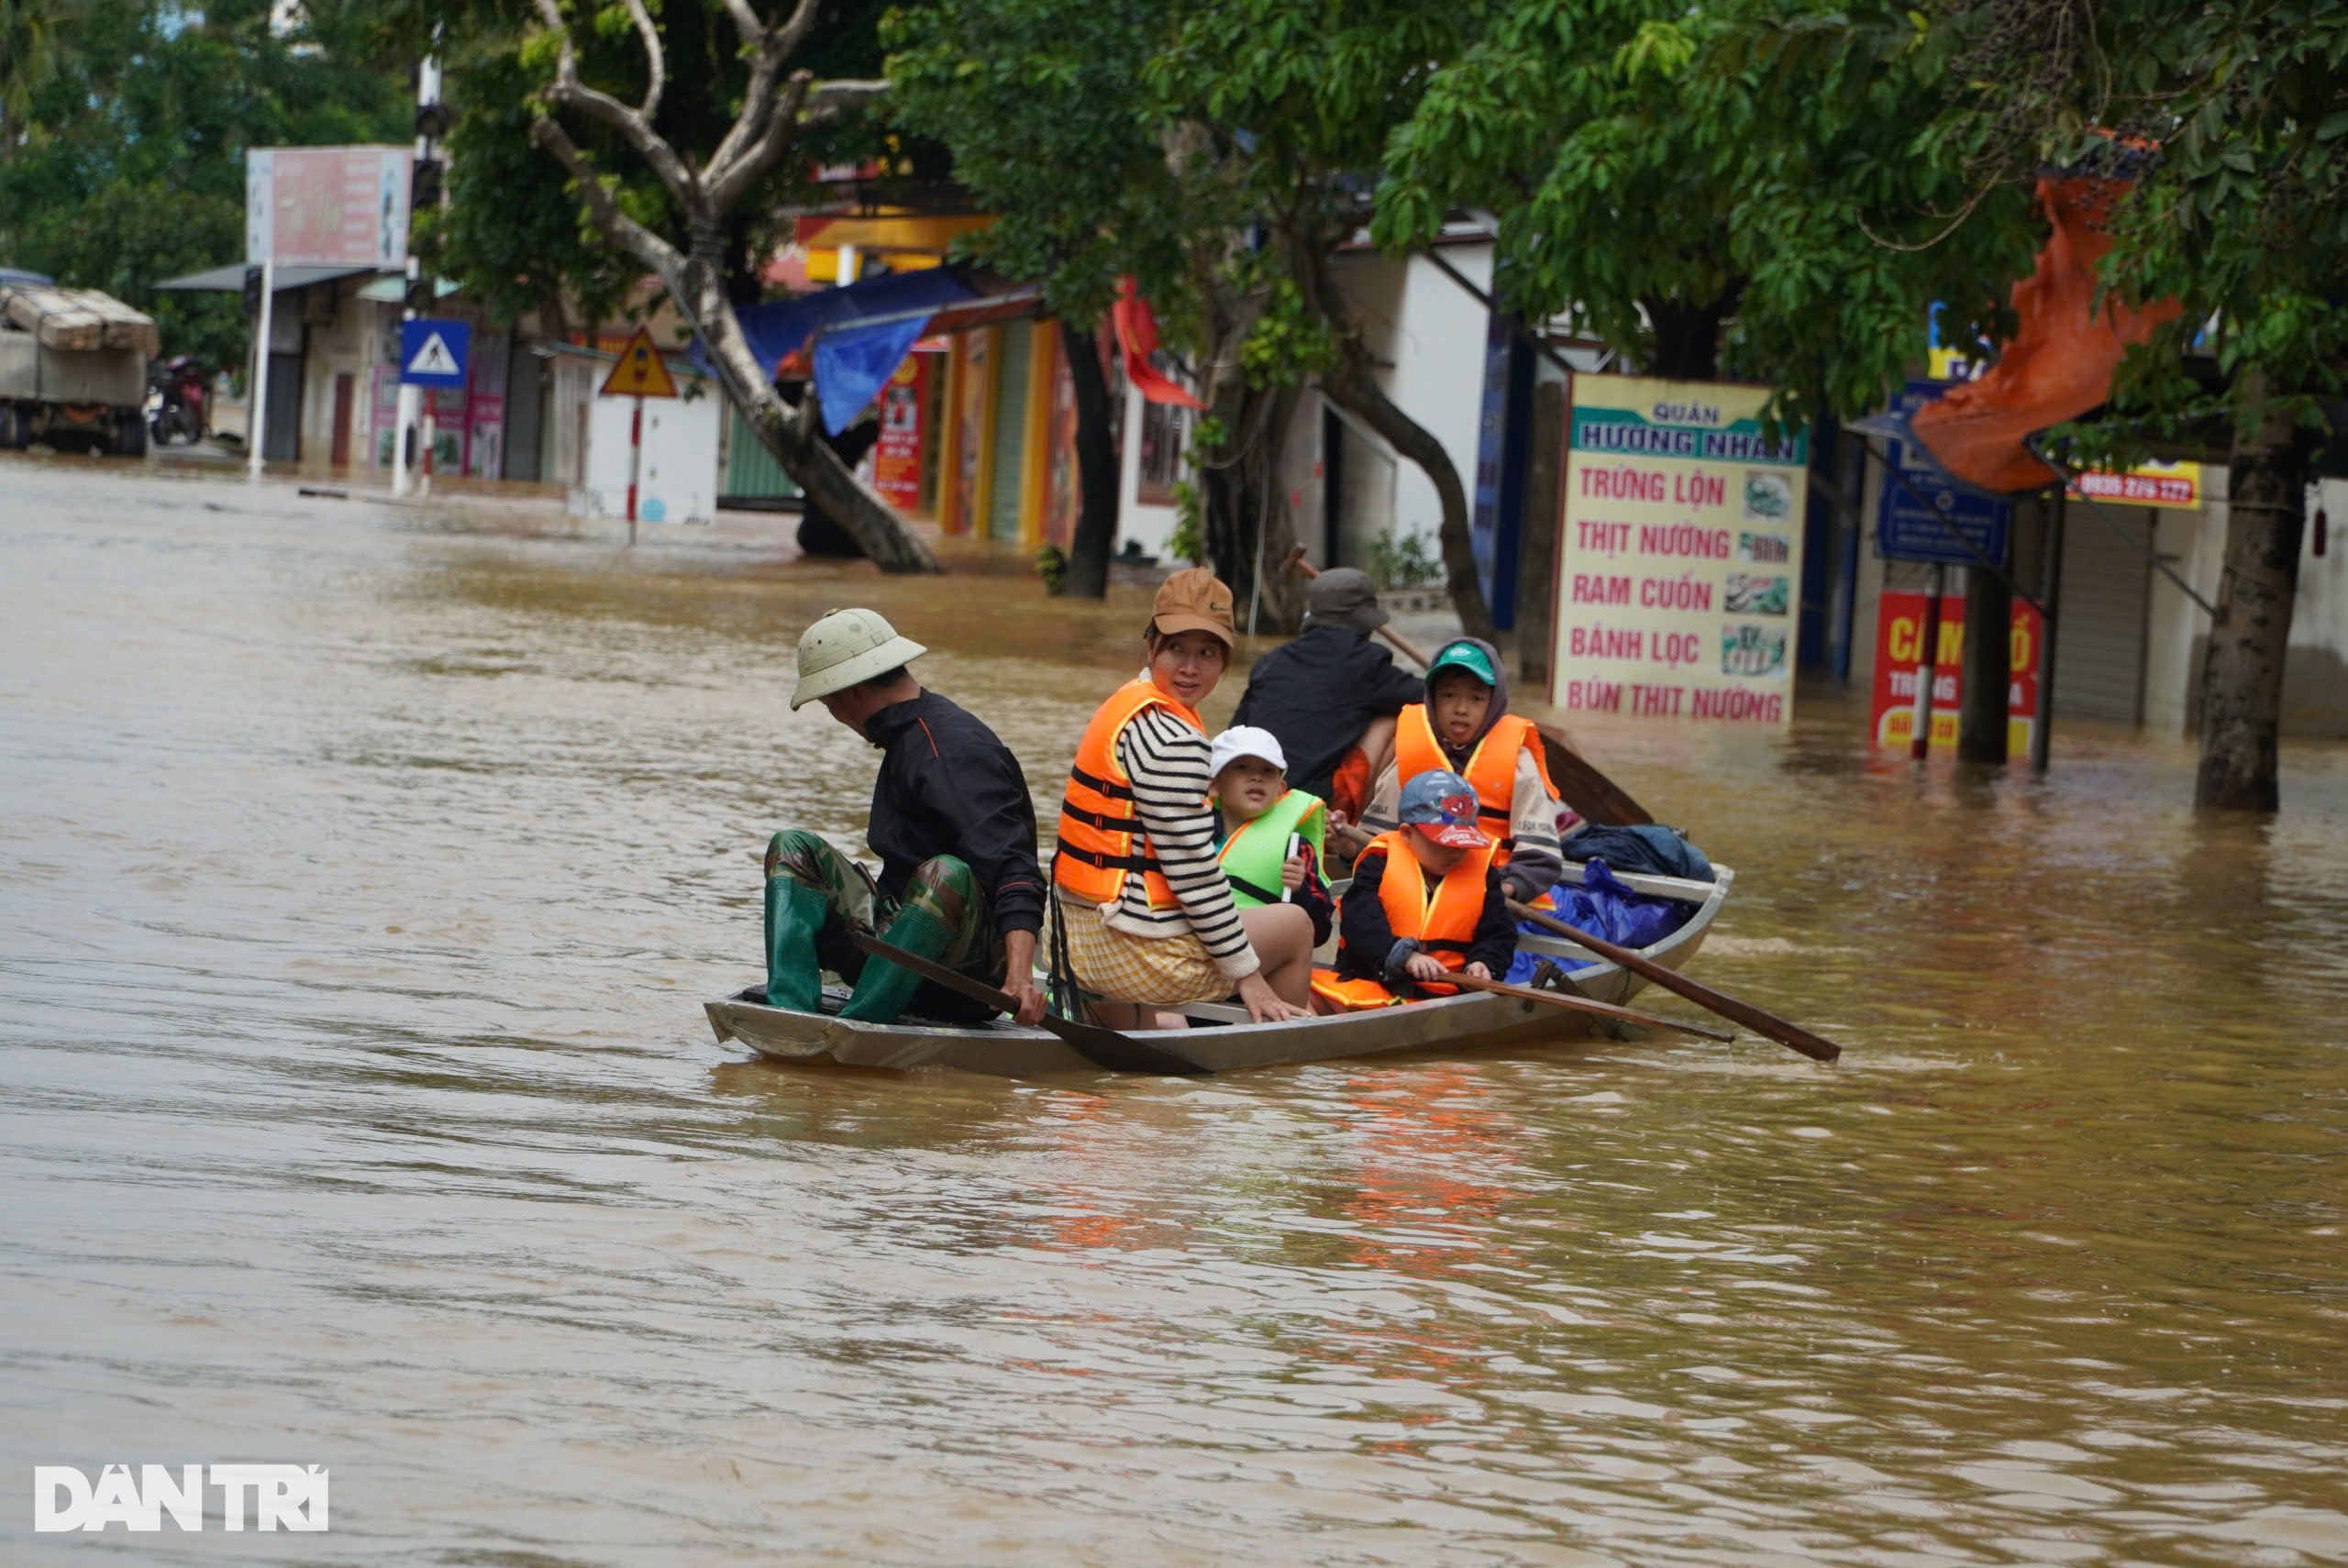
[[362, 871]]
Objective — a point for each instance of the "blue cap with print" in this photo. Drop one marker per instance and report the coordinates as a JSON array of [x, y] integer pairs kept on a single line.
[[1442, 805]]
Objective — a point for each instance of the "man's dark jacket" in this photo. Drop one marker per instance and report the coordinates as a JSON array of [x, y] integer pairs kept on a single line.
[[1318, 693], [948, 786]]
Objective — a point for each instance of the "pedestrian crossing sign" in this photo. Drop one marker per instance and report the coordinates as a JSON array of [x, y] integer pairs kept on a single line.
[[433, 353], [641, 372]]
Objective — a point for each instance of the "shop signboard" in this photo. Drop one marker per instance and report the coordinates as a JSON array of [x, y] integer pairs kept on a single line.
[[326, 206], [1899, 627], [1679, 553], [896, 459]]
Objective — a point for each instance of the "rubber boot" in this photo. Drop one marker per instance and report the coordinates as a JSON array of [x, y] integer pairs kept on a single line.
[[795, 912], [883, 989]]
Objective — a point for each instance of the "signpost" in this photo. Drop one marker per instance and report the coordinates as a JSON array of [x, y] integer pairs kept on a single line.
[[321, 206], [432, 355], [640, 373]]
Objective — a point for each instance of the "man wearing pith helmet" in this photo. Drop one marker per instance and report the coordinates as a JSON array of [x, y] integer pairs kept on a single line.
[[954, 827]]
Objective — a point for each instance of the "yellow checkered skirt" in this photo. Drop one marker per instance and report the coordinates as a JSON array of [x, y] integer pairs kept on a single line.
[[1165, 971]]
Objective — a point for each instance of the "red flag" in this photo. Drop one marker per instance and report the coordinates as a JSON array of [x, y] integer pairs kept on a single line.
[[1138, 336]]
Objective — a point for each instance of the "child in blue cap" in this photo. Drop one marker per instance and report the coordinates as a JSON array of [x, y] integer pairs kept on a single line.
[[1426, 901]]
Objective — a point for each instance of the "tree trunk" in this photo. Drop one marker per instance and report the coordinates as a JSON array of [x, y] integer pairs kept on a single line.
[[1096, 468], [1537, 558], [1352, 388], [1686, 339], [2241, 676], [1246, 519], [793, 436]]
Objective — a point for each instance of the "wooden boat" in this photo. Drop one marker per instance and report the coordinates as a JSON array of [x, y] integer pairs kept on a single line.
[[1224, 1039]]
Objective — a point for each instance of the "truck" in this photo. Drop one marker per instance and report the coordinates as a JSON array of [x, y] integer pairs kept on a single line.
[[72, 368]]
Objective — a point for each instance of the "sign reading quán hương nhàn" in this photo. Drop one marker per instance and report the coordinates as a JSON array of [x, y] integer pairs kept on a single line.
[[1679, 552]]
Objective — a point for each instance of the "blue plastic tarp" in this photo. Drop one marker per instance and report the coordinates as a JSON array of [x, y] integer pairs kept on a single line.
[[863, 334], [1603, 906]]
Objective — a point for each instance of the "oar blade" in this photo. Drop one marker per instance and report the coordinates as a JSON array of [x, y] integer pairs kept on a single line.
[[1122, 1053]]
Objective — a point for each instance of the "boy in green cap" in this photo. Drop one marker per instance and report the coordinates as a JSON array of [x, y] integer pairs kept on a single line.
[[1464, 726]]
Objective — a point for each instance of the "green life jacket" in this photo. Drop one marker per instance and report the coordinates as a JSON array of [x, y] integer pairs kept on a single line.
[[1253, 857]]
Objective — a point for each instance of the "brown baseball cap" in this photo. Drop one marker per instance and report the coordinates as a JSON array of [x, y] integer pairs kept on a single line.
[[1194, 601]]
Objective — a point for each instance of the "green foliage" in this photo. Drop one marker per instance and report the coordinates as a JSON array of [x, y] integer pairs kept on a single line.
[[2230, 123], [513, 226], [1051, 565], [511, 234], [1042, 104], [1406, 562], [133, 169], [1187, 542], [1753, 177]]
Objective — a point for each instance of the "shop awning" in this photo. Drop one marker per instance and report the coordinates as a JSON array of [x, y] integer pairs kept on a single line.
[[885, 232], [862, 333], [231, 279]]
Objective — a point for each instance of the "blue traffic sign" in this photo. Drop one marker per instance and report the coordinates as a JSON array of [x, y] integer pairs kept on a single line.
[[1921, 517], [434, 353]]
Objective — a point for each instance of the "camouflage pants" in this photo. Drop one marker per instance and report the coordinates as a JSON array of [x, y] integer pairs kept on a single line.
[[951, 922]]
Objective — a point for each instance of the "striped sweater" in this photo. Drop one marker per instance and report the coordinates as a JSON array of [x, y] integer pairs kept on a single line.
[[1167, 760]]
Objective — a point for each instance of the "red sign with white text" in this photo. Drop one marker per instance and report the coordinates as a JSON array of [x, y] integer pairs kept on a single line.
[[1899, 629], [896, 460]]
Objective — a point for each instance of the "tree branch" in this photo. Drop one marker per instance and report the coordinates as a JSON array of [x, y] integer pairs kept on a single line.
[[740, 162], [567, 91], [618, 227]]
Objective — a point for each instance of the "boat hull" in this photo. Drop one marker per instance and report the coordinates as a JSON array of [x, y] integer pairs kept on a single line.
[[1445, 1024]]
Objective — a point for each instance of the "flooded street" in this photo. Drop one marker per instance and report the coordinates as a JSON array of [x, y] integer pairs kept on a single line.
[[362, 871]]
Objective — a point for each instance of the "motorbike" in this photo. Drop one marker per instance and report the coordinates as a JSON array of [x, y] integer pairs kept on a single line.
[[175, 401]]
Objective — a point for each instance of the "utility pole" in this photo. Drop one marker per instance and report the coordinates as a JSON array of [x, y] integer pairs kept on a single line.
[[424, 189], [1988, 660]]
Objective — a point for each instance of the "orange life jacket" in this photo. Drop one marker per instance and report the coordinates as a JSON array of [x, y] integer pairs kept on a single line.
[[1492, 768], [1442, 923], [1101, 838]]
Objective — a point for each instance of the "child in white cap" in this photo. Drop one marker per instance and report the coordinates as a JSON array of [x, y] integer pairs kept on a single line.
[[1273, 837]]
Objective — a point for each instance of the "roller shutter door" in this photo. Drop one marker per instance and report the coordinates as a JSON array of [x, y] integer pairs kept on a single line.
[[1010, 434], [2106, 583]]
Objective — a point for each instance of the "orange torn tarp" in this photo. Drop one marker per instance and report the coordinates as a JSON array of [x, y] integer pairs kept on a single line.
[[1136, 331], [2061, 359]]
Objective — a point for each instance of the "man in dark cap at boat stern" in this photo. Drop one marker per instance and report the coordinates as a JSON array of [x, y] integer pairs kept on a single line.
[[1330, 696], [952, 822]]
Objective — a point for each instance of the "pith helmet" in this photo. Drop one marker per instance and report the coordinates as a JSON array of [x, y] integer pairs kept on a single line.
[[847, 647]]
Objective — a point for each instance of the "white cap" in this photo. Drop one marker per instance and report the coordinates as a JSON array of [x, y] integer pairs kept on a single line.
[[847, 647], [1245, 740]]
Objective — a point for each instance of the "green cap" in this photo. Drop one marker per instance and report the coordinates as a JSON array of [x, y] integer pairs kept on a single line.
[[1466, 656]]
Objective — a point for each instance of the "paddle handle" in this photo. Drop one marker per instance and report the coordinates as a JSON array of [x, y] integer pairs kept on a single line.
[[1295, 842], [1581, 1004], [1597, 798], [1793, 1036]]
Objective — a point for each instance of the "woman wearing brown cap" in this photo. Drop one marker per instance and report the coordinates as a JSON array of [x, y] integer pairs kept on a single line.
[[1148, 914]]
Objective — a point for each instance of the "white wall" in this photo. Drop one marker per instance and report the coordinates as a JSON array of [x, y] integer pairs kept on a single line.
[[678, 481], [2315, 678], [1149, 526], [1427, 333]]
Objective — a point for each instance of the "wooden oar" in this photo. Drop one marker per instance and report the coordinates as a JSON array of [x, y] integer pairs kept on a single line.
[[1791, 1035], [1579, 783], [1100, 1046], [1573, 1003]]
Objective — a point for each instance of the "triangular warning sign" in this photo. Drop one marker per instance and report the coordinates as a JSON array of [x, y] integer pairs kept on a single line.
[[434, 360], [641, 372]]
